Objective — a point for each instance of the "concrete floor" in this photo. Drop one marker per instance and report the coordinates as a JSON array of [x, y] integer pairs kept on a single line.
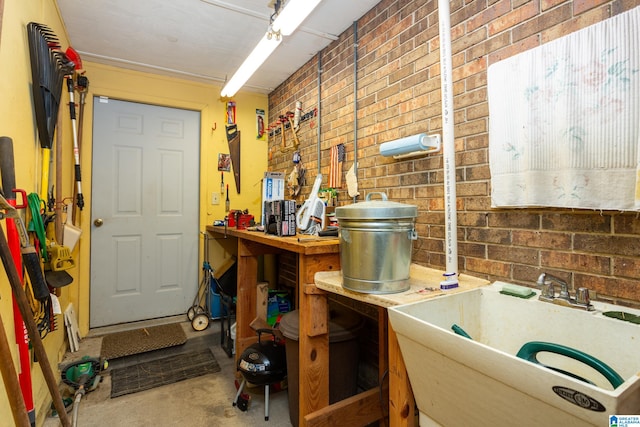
[[202, 401]]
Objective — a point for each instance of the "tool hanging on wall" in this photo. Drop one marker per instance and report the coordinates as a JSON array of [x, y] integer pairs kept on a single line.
[[7, 174], [294, 128], [82, 86], [286, 123], [297, 115], [76, 152], [32, 330], [10, 380], [49, 66], [30, 258], [233, 139], [297, 177], [281, 122], [227, 202]]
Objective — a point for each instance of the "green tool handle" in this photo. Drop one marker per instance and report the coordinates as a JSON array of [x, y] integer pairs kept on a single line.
[[530, 350]]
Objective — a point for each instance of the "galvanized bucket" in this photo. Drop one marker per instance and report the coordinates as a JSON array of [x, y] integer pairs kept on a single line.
[[376, 242]]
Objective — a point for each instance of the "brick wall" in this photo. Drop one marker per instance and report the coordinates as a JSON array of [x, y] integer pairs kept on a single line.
[[398, 94]]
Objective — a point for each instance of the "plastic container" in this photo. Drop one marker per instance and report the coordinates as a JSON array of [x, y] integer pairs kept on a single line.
[[216, 306], [232, 333], [344, 325]]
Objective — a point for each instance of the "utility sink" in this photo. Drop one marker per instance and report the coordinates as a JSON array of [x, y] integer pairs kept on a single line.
[[479, 380]]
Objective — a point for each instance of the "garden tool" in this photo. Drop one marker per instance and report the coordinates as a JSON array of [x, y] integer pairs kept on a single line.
[[84, 376], [32, 329], [30, 257], [7, 175]]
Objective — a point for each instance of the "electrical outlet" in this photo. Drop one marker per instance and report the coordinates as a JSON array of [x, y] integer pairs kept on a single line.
[[215, 198]]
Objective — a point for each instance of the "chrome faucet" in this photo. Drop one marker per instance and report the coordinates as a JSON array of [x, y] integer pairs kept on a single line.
[[548, 294]]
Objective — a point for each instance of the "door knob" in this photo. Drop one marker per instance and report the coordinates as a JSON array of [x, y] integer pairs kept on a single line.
[[98, 222]]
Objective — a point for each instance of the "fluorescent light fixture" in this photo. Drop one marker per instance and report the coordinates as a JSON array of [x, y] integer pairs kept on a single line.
[[255, 59], [289, 18], [294, 12]]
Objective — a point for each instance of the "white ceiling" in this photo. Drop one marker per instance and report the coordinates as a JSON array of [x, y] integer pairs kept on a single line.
[[203, 40]]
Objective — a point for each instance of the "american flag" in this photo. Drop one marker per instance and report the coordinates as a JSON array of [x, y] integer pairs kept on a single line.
[[335, 166]]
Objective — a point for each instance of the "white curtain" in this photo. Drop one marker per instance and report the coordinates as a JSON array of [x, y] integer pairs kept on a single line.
[[564, 121]]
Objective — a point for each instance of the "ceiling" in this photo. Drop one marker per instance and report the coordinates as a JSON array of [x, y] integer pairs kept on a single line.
[[202, 40]]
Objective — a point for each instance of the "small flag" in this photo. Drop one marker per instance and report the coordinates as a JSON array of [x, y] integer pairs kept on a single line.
[[335, 167]]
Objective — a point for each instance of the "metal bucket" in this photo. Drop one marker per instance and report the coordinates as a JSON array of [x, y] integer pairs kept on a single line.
[[376, 242]]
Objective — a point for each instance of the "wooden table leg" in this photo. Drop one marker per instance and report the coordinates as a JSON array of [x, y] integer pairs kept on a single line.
[[314, 344], [246, 297], [401, 401]]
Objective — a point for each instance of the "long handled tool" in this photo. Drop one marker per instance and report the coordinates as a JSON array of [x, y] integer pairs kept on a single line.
[[10, 380], [7, 171], [76, 150], [21, 305], [30, 258], [7, 368], [32, 329]]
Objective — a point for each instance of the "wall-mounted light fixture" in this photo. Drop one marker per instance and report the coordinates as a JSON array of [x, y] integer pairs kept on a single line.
[[411, 146], [288, 18]]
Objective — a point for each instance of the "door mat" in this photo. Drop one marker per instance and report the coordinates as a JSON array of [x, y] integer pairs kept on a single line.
[[163, 371], [142, 340]]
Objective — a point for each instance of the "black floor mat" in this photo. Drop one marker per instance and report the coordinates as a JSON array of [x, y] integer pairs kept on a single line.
[[161, 371]]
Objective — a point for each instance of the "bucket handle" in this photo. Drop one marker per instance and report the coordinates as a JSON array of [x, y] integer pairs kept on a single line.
[[383, 196]]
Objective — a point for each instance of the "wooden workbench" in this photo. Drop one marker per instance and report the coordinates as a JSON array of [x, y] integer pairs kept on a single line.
[[313, 255], [424, 284], [319, 276]]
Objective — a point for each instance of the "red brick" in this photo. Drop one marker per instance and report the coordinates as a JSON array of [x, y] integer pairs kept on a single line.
[[576, 262], [542, 239], [515, 17], [587, 222], [627, 267], [485, 266], [580, 6]]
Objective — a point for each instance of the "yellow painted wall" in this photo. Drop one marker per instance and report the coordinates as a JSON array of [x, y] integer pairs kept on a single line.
[[17, 121]]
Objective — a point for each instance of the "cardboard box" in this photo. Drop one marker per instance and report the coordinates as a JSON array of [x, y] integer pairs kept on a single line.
[[272, 189], [280, 217], [262, 296]]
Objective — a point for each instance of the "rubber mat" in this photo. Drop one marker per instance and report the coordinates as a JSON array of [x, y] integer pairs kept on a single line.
[[137, 341], [163, 371]]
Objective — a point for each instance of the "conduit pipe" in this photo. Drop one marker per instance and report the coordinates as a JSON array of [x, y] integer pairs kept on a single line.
[[448, 148], [319, 104], [355, 101]]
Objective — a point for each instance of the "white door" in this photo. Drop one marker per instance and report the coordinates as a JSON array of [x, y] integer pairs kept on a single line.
[[144, 209]]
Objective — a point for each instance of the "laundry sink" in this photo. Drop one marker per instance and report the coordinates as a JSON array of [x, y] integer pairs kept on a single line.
[[479, 381]]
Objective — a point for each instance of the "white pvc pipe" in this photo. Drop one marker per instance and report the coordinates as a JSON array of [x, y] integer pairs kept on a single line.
[[448, 144]]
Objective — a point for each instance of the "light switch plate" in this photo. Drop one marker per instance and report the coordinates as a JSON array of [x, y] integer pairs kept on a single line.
[[215, 198]]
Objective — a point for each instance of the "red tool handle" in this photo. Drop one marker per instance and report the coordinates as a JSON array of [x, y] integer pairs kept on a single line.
[[7, 174]]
